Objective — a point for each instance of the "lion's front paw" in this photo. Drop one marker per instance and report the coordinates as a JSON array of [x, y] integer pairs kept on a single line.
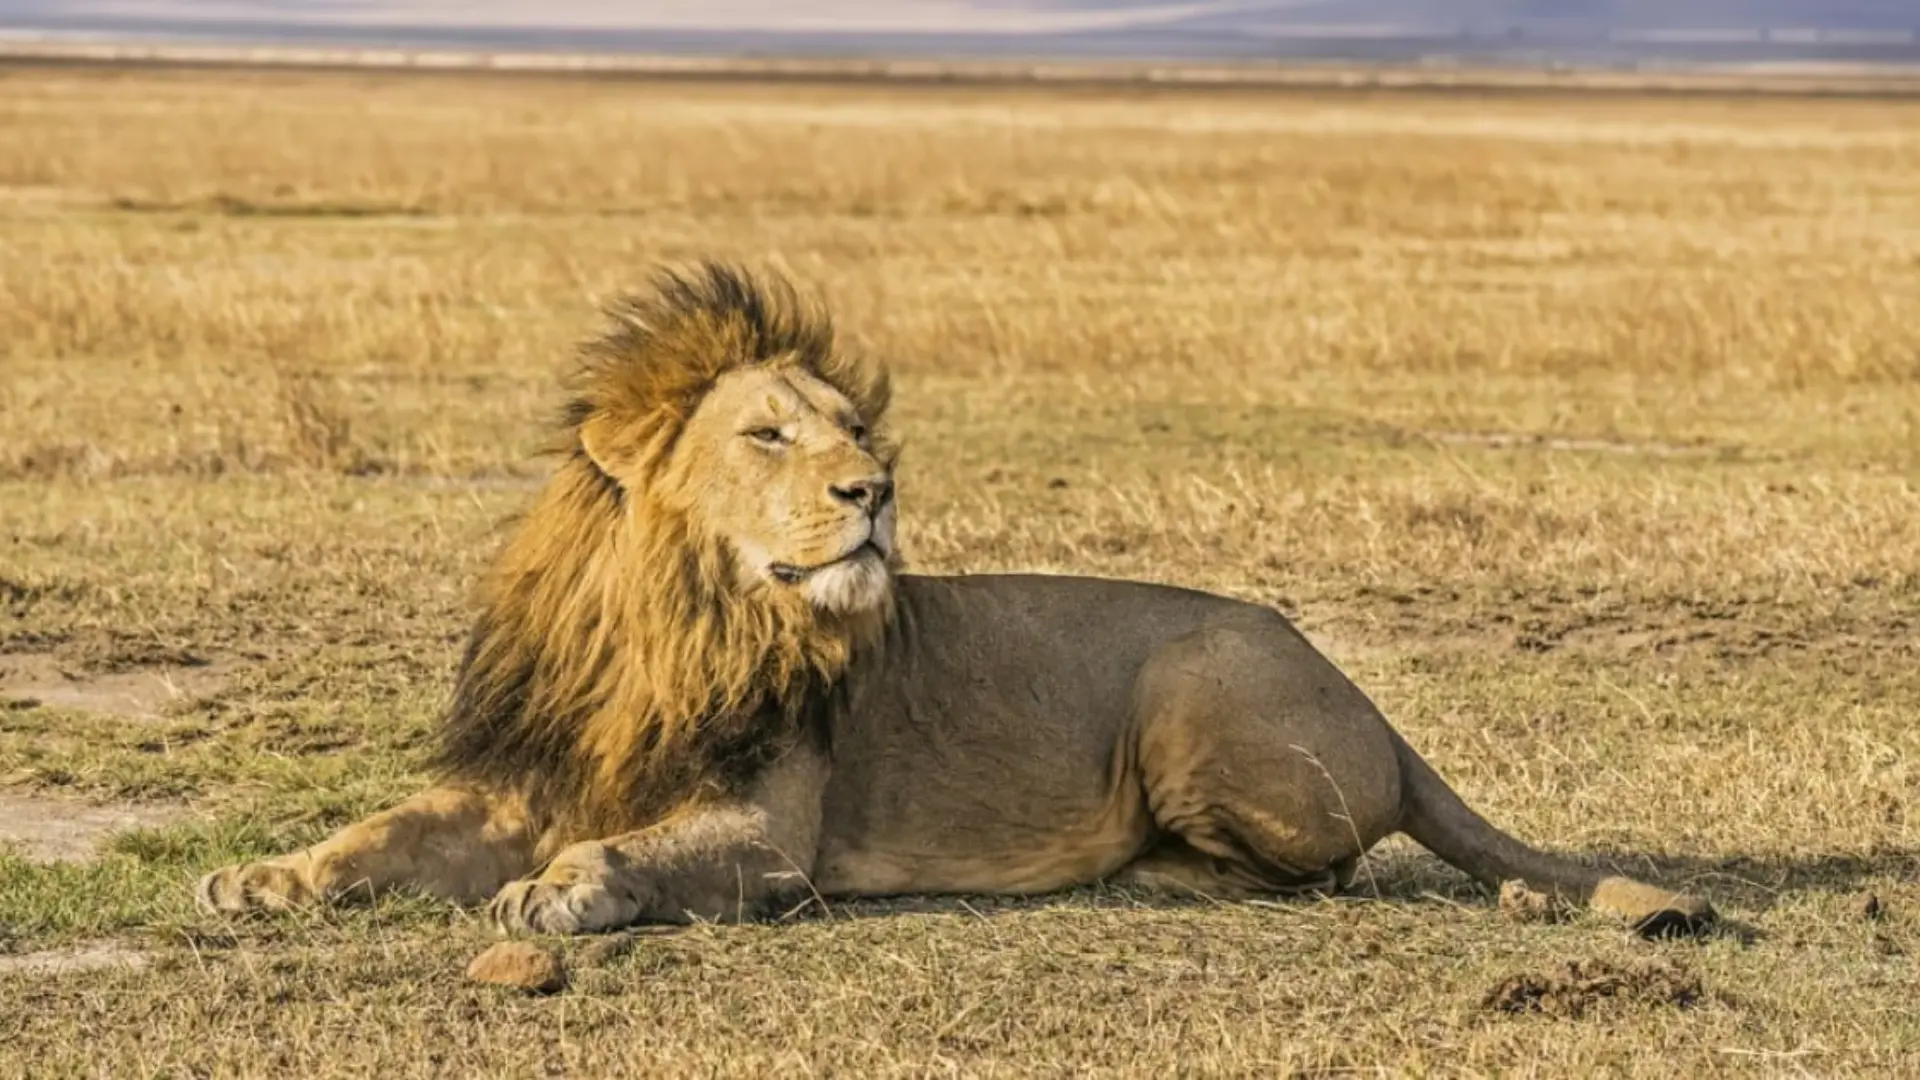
[[251, 888], [578, 893]]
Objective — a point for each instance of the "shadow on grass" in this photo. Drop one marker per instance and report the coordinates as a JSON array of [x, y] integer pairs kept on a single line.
[[1410, 878], [1759, 883], [143, 882], [1751, 884]]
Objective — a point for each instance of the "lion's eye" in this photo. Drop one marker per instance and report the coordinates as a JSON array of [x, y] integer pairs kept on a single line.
[[859, 432], [768, 435]]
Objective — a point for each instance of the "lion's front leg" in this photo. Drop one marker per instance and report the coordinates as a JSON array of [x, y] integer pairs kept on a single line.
[[449, 843], [724, 861]]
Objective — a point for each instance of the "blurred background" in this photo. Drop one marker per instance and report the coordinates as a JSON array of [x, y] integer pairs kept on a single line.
[[1607, 32]]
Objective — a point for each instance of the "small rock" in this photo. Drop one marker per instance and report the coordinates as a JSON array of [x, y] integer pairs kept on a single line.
[[1868, 906], [606, 950], [522, 965], [1521, 904]]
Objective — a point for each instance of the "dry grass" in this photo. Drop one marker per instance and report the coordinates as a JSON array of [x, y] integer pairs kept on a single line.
[[1585, 432]]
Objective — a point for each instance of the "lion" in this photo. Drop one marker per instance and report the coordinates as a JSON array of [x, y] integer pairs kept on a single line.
[[701, 687]]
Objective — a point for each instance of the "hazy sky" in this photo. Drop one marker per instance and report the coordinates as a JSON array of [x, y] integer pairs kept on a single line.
[[978, 16]]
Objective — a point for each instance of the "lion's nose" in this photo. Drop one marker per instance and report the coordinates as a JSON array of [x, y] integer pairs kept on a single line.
[[869, 494]]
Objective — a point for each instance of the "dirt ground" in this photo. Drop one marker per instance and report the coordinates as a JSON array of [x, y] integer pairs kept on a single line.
[[1583, 431]]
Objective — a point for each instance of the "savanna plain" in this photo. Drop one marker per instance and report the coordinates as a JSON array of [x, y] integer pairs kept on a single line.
[[1582, 430]]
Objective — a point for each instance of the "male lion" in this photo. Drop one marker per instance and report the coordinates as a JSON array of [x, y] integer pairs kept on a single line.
[[699, 687]]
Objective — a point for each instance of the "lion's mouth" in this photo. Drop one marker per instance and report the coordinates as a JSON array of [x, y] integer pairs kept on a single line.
[[790, 574]]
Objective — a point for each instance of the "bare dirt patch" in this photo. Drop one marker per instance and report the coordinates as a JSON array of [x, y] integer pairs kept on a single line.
[[1869, 618], [92, 956], [57, 828], [28, 680], [1513, 440]]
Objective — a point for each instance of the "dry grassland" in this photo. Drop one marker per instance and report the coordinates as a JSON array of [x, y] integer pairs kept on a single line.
[[1583, 431]]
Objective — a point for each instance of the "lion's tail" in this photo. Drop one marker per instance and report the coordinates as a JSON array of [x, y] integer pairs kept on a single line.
[[1445, 825]]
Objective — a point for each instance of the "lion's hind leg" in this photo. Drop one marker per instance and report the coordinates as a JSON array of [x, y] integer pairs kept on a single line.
[[1265, 772], [448, 843], [1257, 753]]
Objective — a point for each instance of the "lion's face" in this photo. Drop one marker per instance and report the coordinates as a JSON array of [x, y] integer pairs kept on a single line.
[[784, 474]]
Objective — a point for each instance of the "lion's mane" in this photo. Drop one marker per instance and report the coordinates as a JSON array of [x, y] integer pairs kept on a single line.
[[618, 667]]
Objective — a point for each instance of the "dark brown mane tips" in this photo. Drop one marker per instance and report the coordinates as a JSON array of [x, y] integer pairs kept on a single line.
[[639, 382]]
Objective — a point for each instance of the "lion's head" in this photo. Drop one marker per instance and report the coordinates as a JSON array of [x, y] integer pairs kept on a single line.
[[717, 543], [772, 461]]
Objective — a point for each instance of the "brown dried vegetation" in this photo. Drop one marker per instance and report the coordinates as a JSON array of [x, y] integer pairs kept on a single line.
[[1584, 431]]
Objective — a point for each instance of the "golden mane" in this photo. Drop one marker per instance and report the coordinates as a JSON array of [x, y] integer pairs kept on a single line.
[[617, 668]]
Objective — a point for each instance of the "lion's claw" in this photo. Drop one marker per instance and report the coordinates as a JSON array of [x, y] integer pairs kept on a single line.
[[529, 907], [574, 896], [253, 888], [536, 907]]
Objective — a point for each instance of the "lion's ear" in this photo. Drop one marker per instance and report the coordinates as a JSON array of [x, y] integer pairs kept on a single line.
[[603, 446]]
